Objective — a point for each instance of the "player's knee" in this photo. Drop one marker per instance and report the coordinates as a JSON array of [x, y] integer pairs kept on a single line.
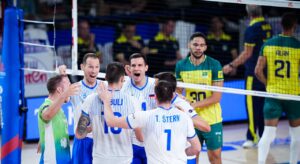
[[214, 157], [268, 136]]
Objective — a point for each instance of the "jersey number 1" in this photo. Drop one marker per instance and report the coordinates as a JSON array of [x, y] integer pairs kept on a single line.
[[112, 129], [280, 65], [168, 131]]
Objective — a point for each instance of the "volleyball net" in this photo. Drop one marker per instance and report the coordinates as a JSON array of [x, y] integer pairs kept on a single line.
[[161, 30], [224, 23]]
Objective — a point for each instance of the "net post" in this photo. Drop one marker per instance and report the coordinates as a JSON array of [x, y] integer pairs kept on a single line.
[[11, 143]]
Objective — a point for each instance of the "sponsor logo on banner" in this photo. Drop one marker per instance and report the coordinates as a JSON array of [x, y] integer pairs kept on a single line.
[[37, 57]]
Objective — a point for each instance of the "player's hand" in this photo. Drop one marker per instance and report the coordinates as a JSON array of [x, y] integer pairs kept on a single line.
[[183, 97], [103, 93], [62, 69], [38, 150], [227, 69], [89, 129], [72, 90]]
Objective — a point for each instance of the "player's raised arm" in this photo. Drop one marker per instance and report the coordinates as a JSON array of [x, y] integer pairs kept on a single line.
[[111, 120]]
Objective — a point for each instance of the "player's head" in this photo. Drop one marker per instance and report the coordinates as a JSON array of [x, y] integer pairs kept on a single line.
[[115, 74], [216, 24], [168, 27], [163, 91], [166, 76], [58, 84], [138, 66], [254, 11], [129, 30], [83, 29], [90, 67], [289, 22], [197, 45]]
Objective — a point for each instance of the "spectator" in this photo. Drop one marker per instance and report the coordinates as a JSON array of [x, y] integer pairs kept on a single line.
[[221, 45], [86, 41], [127, 44], [163, 50]]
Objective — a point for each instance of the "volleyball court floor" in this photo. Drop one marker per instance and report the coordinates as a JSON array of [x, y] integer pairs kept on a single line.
[[232, 152]]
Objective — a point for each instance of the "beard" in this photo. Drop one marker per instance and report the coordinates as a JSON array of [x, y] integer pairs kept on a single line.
[[195, 56]]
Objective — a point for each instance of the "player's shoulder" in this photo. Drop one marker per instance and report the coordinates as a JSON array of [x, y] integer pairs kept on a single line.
[[91, 97], [183, 61], [151, 81], [212, 61]]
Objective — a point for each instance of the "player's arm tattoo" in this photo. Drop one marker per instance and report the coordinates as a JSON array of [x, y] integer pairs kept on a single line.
[[83, 122]]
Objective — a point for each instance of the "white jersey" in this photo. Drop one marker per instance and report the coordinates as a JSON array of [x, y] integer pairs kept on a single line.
[[111, 145], [187, 108], [78, 100], [166, 132], [144, 94]]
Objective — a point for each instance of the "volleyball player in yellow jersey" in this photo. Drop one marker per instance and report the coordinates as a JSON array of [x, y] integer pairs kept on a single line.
[[281, 55], [199, 68]]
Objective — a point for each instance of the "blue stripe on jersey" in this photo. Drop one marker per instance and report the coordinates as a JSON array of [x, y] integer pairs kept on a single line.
[[89, 86], [86, 114], [194, 115], [192, 136], [128, 123], [165, 108], [132, 83], [174, 98]]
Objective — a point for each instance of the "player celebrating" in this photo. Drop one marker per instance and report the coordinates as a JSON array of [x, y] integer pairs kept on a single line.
[[198, 122], [111, 144], [159, 126], [141, 87], [82, 148], [281, 56]]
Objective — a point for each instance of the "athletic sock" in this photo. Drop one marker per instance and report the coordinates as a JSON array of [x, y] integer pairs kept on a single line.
[[265, 142], [295, 144]]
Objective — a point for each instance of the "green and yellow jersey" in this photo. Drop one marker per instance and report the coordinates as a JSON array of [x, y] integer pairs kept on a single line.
[[206, 73], [283, 57]]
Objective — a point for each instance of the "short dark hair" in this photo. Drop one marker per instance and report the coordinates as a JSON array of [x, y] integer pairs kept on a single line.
[[288, 21], [167, 76], [54, 82], [254, 10], [198, 34], [114, 72], [138, 55], [90, 55], [163, 91]]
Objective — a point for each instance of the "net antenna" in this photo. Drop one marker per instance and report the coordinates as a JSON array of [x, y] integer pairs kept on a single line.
[[74, 36]]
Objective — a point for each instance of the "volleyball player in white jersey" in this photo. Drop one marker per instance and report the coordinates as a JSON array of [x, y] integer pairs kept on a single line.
[[82, 148], [112, 145], [166, 129], [178, 101], [141, 87]]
